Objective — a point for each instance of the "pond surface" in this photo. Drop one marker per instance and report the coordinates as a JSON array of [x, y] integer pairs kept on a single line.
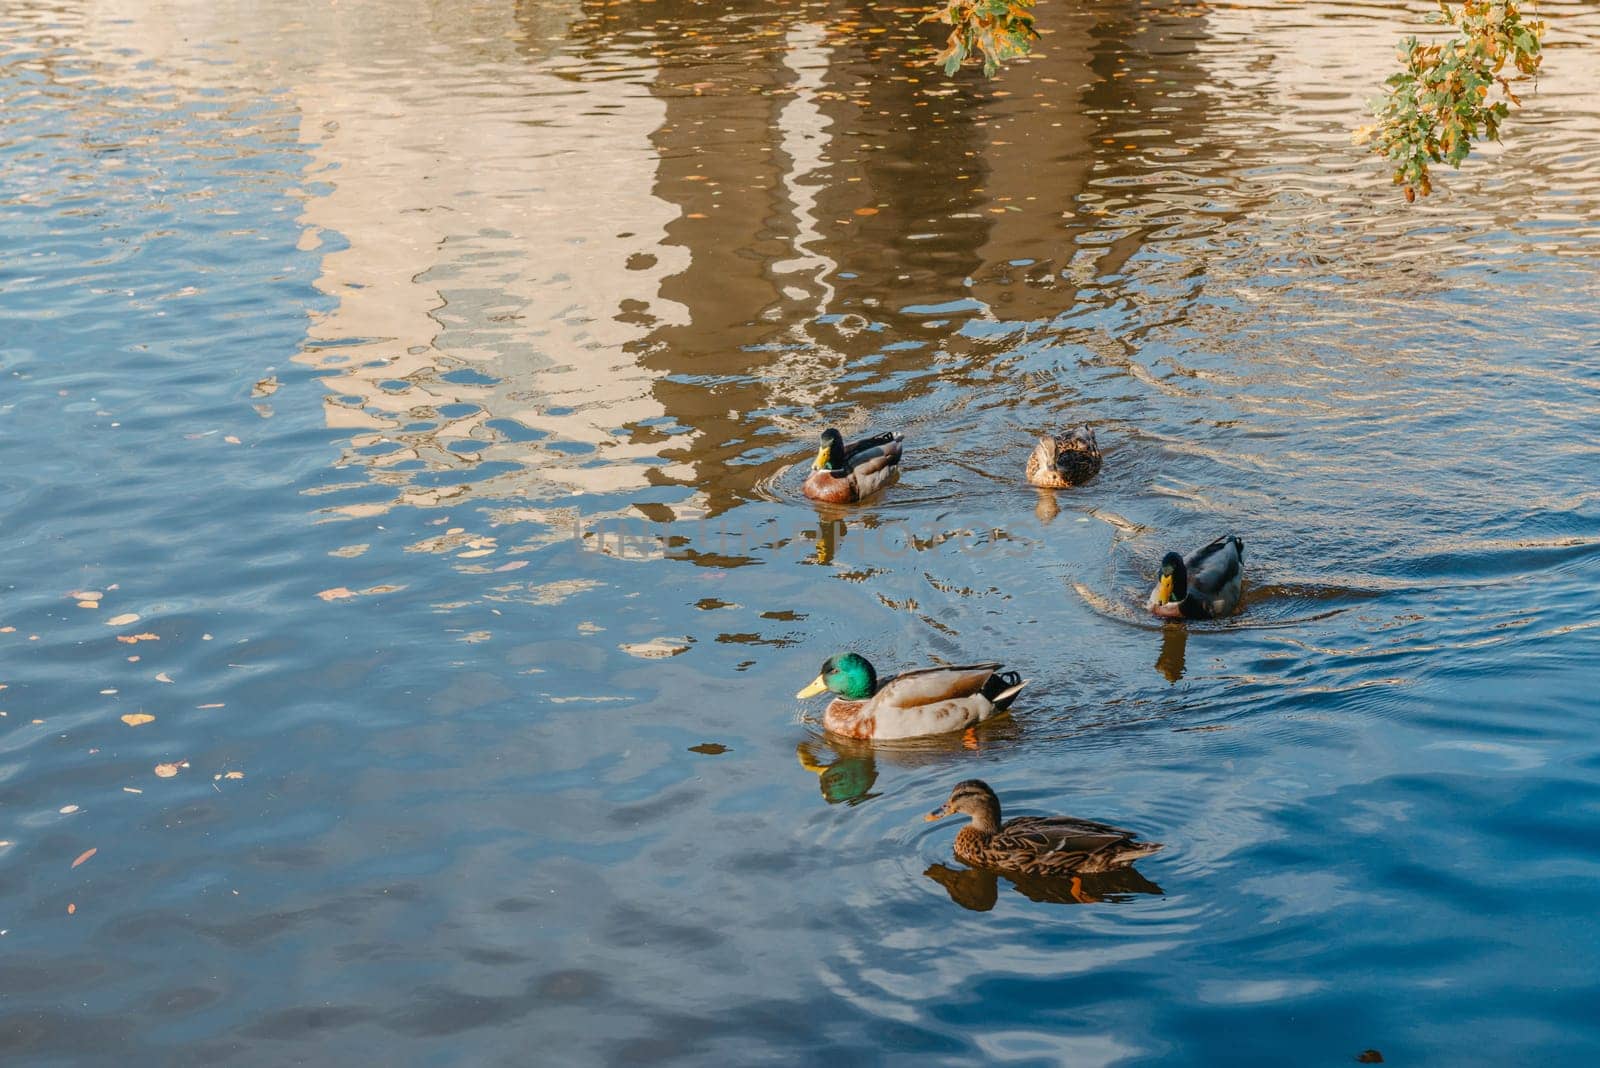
[[404, 403]]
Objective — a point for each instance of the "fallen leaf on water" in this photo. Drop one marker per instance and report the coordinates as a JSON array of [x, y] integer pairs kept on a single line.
[[338, 593], [85, 855], [131, 790], [123, 620], [219, 704], [88, 604], [866, 211], [8, 630], [234, 775], [1370, 1056], [709, 748], [166, 771], [71, 908], [85, 595], [657, 649], [135, 719], [105, 692], [231, 440], [134, 639], [67, 810], [162, 676]]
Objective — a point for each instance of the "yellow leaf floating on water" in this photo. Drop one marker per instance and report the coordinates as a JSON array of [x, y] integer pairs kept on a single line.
[[166, 771], [134, 639], [86, 595], [67, 810], [162, 676], [85, 855], [71, 908], [234, 775], [136, 719], [123, 620], [218, 704], [337, 593]]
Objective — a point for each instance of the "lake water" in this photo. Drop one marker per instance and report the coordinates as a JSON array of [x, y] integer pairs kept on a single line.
[[433, 382]]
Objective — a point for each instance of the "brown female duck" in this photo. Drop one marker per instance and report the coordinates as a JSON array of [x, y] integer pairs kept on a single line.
[[1063, 460], [1035, 845]]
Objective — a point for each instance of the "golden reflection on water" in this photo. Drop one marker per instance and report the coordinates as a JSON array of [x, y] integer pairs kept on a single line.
[[609, 249]]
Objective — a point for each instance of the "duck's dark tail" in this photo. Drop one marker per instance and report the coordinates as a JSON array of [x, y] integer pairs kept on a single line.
[[1003, 687]]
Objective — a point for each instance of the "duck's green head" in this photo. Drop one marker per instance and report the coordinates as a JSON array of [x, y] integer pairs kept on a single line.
[[849, 675], [830, 457]]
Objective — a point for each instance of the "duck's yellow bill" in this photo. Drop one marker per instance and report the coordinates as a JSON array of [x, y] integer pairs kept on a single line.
[[1164, 589], [937, 814], [818, 685], [821, 463]]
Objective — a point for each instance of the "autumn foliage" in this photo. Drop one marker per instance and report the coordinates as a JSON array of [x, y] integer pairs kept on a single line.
[[996, 30], [1439, 103], [1436, 106]]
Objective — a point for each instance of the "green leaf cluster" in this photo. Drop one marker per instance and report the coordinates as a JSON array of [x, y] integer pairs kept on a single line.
[[1439, 103], [997, 30]]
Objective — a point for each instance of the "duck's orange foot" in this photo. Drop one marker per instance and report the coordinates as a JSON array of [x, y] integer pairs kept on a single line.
[[969, 738], [1077, 892]]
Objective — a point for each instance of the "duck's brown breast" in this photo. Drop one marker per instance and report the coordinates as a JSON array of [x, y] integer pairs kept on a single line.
[[829, 488], [849, 718]]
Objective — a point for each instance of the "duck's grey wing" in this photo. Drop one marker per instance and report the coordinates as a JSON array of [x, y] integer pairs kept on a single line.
[[871, 442], [1218, 565]]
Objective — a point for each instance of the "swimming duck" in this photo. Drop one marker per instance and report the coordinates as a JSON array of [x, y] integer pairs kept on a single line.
[[1063, 460], [1035, 845], [1205, 586], [844, 474], [929, 701]]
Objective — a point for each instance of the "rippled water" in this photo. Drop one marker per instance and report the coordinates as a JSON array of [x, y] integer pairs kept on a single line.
[[430, 379]]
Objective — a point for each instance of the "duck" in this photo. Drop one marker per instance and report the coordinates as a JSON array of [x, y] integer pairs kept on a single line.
[[1064, 460], [933, 700], [845, 474], [1035, 845], [1205, 586]]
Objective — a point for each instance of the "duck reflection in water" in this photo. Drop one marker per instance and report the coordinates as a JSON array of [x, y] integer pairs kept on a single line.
[[847, 769], [847, 779], [1174, 646], [979, 890], [829, 531]]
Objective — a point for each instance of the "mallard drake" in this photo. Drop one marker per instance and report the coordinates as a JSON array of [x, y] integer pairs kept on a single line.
[[930, 701], [1205, 586], [844, 474], [1035, 845], [1063, 460]]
